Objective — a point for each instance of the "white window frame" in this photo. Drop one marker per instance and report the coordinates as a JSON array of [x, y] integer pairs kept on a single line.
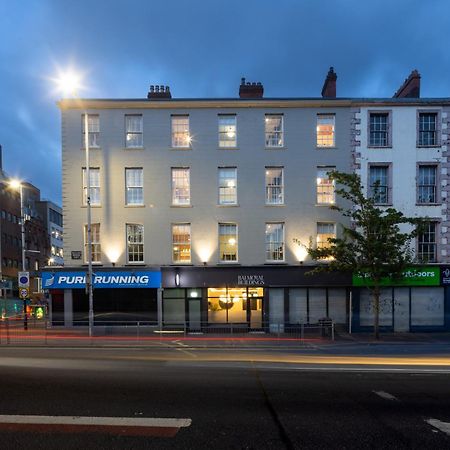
[[325, 188], [131, 134], [275, 247], [129, 188], [271, 189], [95, 187], [223, 246], [431, 244], [322, 242], [176, 244], [135, 243], [227, 130], [322, 130], [180, 133], [224, 186], [95, 243], [93, 130], [274, 138], [178, 188]]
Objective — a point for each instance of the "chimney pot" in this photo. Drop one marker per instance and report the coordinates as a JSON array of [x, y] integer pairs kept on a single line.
[[249, 89], [159, 91], [329, 85]]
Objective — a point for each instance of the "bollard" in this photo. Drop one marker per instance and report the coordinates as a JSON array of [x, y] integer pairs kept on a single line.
[[332, 331], [138, 331]]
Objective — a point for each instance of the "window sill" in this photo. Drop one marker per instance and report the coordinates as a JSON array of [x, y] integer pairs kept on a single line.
[[181, 148], [231, 205], [429, 146], [379, 146], [85, 264], [227, 148], [326, 147], [325, 204], [276, 205], [228, 263], [134, 148], [134, 206], [136, 264], [276, 148], [383, 204], [181, 206], [275, 263], [428, 204], [182, 264]]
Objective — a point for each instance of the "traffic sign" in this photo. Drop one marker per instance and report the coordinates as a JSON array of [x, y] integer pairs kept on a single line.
[[24, 279], [23, 292]]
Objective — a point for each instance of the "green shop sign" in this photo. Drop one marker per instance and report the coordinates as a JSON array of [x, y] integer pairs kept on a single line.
[[413, 276]]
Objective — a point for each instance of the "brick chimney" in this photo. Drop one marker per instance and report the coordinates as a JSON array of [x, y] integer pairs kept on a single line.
[[157, 91], [329, 86], [410, 87], [250, 90]]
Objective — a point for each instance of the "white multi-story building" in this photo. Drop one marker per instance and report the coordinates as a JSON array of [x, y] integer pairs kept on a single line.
[[196, 204]]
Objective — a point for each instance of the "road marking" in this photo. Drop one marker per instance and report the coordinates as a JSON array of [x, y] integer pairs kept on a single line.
[[128, 426], [385, 395], [441, 426]]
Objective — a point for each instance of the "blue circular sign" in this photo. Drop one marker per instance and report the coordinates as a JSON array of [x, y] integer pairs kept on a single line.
[[23, 280]]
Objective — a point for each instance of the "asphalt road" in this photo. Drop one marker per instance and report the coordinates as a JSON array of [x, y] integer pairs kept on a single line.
[[244, 400]]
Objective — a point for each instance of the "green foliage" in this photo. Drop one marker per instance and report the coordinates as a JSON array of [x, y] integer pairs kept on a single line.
[[373, 244]]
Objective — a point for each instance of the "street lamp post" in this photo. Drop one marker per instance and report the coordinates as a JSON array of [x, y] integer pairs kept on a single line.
[[18, 186], [89, 224], [69, 83]]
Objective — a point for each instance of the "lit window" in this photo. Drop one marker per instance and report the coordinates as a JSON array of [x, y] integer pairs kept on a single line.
[[274, 130], [274, 241], [95, 243], [428, 129], [135, 243], [134, 186], [227, 131], [325, 130], [379, 184], [228, 242], [133, 126], [94, 176], [427, 245], [325, 231], [426, 184], [274, 186], [94, 130], [227, 185], [181, 243], [181, 189], [180, 132], [325, 186], [379, 129]]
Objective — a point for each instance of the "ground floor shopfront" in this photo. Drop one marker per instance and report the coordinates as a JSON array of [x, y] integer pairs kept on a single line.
[[268, 298]]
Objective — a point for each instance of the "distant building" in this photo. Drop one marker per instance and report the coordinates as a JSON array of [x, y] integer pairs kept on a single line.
[[51, 215]]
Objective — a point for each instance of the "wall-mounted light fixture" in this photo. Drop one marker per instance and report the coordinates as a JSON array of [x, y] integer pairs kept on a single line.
[[177, 278]]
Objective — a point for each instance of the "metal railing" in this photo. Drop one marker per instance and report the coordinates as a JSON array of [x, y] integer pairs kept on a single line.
[[42, 332]]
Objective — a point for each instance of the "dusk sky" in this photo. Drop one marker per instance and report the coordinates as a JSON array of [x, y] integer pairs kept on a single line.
[[202, 49]]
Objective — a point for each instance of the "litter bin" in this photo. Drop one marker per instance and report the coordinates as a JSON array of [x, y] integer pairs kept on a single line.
[[325, 326]]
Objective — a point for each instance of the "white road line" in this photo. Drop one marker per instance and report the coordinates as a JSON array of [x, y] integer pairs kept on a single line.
[[102, 421], [441, 426], [385, 395]]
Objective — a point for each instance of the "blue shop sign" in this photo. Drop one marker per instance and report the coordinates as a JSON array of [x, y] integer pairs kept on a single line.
[[77, 280]]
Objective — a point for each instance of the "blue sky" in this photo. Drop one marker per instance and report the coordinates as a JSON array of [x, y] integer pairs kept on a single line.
[[202, 49]]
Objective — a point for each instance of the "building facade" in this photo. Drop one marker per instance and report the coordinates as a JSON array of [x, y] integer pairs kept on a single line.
[[200, 202], [51, 215]]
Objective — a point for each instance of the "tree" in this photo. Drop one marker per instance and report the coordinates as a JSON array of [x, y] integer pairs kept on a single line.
[[373, 246]]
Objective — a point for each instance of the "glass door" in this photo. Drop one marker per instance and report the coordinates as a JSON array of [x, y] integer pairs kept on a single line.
[[255, 299]]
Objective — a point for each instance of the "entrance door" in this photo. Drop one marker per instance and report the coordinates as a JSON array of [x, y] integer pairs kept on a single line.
[[255, 301]]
